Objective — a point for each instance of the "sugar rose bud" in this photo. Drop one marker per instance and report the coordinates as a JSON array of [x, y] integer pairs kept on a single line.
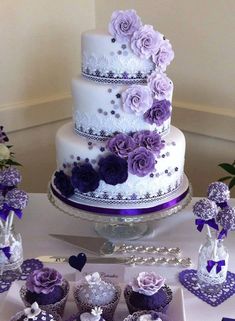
[[4, 152]]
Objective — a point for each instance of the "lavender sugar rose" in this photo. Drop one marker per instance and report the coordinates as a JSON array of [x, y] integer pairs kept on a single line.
[[121, 145], [160, 85], [137, 99], [151, 140], [147, 283], [141, 162]]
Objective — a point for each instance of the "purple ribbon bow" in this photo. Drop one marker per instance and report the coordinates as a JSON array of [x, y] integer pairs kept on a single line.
[[211, 264], [7, 251], [222, 234], [222, 204], [200, 224], [4, 212]]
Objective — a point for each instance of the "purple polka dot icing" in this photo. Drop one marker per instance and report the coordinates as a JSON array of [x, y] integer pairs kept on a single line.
[[10, 177], [218, 192], [205, 209], [17, 199], [226, 218]]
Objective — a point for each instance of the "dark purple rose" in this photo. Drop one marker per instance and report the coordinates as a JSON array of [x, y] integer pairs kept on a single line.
[[121, 145], [123, 24], [164, 56], [43, 280], [63, 184], [160, 84], [3, 136], [137, 99], [150, 140], [113, 169], [85, 178], [17, 199], [146, 41], [141, 162], [158, 113]]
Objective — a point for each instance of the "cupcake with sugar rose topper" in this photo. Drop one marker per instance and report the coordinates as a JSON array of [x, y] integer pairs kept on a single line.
[[147, 316], [35, 313], [47, 287], [147, 291], [93, 291]]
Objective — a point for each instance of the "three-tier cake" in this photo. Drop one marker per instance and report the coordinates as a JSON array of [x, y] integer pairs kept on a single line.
[[120, 155]]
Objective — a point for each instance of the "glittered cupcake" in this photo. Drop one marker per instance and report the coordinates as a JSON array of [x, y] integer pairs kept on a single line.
[[147, 316], [94, 291], [35, 313], [147, 291], [46, 287]]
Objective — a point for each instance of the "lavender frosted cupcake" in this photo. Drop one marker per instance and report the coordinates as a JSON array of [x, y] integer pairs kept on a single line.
[[147, 316], [34, 313], [94, 291], [46, 287], [147, 292]]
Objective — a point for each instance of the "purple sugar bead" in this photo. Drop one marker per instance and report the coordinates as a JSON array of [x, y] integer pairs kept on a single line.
[[17, 199], [205, 209], [10, 177], [218, 192], [226, 218]]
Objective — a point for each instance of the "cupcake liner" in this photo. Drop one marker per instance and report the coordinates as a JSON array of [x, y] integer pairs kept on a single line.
[[127, 294], [20, 314], [55, 308], [136, 315], [108, 309]]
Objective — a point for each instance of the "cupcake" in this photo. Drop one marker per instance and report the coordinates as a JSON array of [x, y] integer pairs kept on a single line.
[[147, 316], [94, 291], [46, 287], [147, 292], [34, 313]]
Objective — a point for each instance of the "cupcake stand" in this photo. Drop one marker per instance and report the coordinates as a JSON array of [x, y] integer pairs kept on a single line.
[[124, 222]]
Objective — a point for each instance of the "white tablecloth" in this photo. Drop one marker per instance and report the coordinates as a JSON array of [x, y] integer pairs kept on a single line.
[[41, 219]]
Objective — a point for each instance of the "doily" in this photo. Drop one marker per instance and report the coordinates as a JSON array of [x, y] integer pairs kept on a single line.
[[27, 267], [188, 279]]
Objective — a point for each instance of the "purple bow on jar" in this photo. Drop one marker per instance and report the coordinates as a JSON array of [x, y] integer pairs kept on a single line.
[[7, 251], [211, 264], [223, 233], [4, 212], [200, 224]]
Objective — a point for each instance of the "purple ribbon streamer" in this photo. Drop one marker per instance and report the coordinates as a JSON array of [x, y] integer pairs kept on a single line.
[[7, 251], [200, 224], [222, 204], [211, 264], [124, 211], [4, 212], [222, 233]]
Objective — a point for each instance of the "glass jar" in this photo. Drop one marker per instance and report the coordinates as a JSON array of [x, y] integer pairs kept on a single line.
[[211, 281], [11, 251]]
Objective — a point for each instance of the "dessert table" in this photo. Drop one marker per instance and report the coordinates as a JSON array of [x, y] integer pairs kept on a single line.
[[41, 219]]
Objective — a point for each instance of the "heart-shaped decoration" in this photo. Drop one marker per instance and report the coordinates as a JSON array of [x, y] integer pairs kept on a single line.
[[78, 262]]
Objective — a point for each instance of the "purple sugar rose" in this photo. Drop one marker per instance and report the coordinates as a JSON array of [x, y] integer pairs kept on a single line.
[[123, 24], [85, 178], [63, 184], [137, 99], [160, 85], [43, 280], [150, 140], [121, 145], [113, 169], [141, 162], [3, 136], [10, 177], [164, 56], [146, 41], [147, 283], [17, 199], [158, 113]]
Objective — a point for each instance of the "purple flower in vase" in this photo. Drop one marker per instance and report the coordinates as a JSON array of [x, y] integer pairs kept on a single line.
[[85, 178], [158, 113], [113, 169], [3, 136], [137, 99], [146, 41], [63, 184], [150, 140], [147, 283], [163, 57], [141, 162], [123, 24], [121, 145], [160, 85]]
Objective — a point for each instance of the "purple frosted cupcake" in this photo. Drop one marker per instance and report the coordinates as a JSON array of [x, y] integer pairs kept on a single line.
[[147, 292], [46, 287], [94, 291], [147, 316], [34, 313]]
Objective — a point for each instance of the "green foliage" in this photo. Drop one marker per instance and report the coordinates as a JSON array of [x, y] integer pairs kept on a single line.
[[230, 169]]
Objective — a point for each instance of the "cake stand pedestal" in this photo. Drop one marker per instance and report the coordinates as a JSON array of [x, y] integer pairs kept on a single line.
[[120, 227]]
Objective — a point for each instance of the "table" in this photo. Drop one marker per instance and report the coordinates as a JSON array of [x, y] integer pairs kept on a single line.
[[41, 218]]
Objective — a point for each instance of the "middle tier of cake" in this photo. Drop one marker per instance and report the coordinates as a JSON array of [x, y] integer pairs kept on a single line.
[[73, 150]]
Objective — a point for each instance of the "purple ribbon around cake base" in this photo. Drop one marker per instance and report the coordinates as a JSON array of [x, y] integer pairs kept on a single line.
[[211, 264], [122, 211], [200, 224], [7, 251]]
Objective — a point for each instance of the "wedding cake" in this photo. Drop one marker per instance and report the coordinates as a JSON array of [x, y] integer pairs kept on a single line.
[[120, 155]]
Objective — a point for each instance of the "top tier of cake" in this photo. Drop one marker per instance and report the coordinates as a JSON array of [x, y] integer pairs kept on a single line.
[[105, 59]]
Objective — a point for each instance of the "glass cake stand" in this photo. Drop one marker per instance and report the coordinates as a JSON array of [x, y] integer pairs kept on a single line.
[[117, 227]]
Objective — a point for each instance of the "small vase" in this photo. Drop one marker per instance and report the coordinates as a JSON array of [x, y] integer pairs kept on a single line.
[[212, 281], [11, 251]]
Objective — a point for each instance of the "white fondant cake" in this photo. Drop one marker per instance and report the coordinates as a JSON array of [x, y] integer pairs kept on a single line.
[[121, 152]]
